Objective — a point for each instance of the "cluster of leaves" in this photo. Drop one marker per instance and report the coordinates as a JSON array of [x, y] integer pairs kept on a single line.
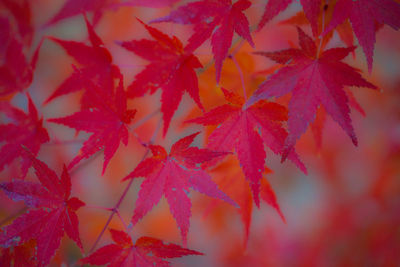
[[315, 77]]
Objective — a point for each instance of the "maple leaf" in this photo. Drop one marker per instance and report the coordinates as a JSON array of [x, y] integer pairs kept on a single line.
[[25, 130], [314, 78], [174, 68], [216, 18], [107, 120], [231, 180], [274, 7], [146, 252], [16, 72], [171, 175], [19, 256], [363, 14], [21, 11], [95, 67], [320, 118], [152, 4], [52, 211], [72, 8], [239, 129]]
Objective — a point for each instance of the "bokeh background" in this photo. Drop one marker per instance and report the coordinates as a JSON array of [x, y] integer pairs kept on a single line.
[[345, 212]]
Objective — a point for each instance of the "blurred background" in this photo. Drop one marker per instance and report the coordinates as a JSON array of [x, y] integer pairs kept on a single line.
[[345, 212]]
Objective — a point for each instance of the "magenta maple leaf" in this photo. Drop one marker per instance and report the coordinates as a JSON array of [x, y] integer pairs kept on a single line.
[[239, 129], [363, 14], [146, 252], [72, 8], [274, 7], [216, 18], [314, 79], [52, 211], [171, 175], [16, 73], [152, 4], [95, 66], [25, 129], [21, 11], [171, 69], [107, 120], [18, 256]]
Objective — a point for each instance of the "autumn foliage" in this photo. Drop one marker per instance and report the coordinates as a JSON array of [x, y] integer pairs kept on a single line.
[[142, 133]]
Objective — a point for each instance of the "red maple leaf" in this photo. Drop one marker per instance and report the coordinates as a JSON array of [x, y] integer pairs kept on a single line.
[[107, 120], [18, 256], [52, 211], [171, 69], [95, 67], [216, 18], [363, 14], [239, 129], [153, 3], [171, 175], [21, 12], [146, 252], [274, 7], [26, 129], [16, 70], [231, 180], [314, 78], [72, 8]]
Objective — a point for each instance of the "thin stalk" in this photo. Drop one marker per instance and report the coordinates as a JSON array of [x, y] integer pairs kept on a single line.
[[119, 202], [320, 36], [241, 76]]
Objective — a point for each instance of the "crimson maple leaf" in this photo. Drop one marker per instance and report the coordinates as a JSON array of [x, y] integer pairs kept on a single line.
[[107, 121], [95, 67], [26, 129], [239, 129], [230, 178], [21, 11], [52, 211], [146, 252], [16, 71], [363, 14], [171, 175], [153, 3], [314, 78], [219, 18], [274, 7], [72, 8], [19, 256], [171, 69]]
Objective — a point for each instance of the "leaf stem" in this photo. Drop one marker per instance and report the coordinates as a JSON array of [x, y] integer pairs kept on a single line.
[[241, 77], [322, 30], [128, 186]]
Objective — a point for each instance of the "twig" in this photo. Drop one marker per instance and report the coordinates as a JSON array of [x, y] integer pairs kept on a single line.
[[118, 204], [241, 77]]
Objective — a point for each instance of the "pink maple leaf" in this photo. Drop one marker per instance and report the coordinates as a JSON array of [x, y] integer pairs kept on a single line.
[[216, 18], [274, 7], [363, 14], [171, 69], [52, 211], [107, 120], [314, 78], [172, 175], [26, 129], [146, 252], [239, 130]]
